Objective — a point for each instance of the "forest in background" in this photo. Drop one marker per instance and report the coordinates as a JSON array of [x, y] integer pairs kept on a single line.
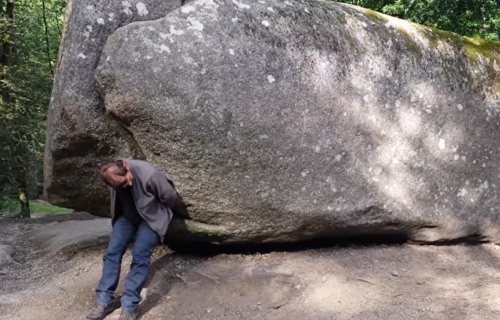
[[30, 33]]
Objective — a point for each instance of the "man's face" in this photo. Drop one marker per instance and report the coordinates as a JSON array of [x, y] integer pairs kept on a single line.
[[118, 181]]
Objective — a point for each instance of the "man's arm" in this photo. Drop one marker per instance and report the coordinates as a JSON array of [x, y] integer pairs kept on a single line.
[[162, 189]]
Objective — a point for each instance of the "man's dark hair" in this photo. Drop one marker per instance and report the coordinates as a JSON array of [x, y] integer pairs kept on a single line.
[[116, 167]]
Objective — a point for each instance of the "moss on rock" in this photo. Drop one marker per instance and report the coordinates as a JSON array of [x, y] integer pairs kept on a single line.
[[342, 19], [479, 53], [351, 44], [374, 16], [411, 45]]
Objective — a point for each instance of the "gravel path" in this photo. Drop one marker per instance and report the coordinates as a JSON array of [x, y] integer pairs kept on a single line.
[[377, 282]]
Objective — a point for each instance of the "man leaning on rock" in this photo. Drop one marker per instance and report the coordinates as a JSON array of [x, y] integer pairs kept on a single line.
[[142, 204]]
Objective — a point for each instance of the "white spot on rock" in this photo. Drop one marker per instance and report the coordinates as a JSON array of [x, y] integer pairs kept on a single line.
[[163, 35], [195, 24], [304, 174], [111, 16], [307, 10], [270, 78], [484, 185], [270, 9], [188, 9], [317, 149], [460, 107], [231, 51], [241, 5], [176, 32], [496, 66], [164, 48], [462, 192], [86, 33], [441, 144], [263, 136], [265, 23], [82, 56], [101, 21], [207, 4], [338, 158], [141, 9], [127, 6], [456, 157], [90, 7], [188, 60]]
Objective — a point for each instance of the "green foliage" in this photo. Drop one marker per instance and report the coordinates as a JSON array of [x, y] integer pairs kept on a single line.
[[41, 209], [473, 18], [29, 41], [11, 208]]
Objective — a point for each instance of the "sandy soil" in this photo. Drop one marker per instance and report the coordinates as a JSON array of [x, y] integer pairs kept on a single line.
[[345, 282]]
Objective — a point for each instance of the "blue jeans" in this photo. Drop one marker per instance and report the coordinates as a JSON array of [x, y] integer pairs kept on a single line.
[[122, 234]]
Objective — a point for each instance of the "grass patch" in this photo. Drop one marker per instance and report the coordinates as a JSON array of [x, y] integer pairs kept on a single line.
[[41, 209], [10, 208]]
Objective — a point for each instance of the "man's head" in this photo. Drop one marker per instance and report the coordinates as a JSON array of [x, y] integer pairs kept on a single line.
[[117, 174]]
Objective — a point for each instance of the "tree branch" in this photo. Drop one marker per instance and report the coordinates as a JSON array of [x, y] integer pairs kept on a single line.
[[44, 9]]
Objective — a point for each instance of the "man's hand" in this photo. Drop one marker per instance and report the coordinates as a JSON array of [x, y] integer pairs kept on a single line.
[[163, 190]]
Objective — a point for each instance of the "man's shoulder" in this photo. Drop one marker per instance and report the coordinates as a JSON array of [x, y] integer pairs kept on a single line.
[[140, 164], [143, 168], [135, 162]]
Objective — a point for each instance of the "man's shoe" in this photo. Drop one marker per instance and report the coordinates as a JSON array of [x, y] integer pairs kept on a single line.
[[100, 312], [128, 315]]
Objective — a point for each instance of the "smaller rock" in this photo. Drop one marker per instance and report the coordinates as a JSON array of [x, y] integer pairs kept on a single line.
[[395, 273], [6, 253], [8, 249], [71, 236]]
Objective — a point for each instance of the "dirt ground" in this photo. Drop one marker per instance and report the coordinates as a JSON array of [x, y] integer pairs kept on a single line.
[[345, 282]]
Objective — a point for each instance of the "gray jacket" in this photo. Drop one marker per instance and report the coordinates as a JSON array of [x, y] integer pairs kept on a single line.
[[154, 196]]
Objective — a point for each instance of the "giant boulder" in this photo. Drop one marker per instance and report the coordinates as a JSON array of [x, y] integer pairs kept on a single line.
[[80, 135], [284, 121]]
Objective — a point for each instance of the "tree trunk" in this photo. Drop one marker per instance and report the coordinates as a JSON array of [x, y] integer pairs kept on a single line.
[[44, 13], [7, 10], [32, 179]]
